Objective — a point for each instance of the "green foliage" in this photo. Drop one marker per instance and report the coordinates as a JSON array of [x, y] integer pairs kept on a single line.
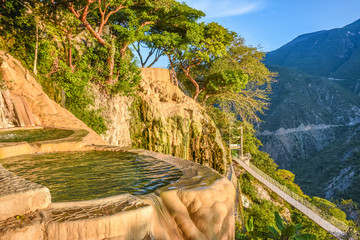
[[330, 209], [197, 49], [69, 61], [168, 32], [299, 218], [351, 209], [263, 213], [247, 187], [226, 81], [17, 28], [282, 230]]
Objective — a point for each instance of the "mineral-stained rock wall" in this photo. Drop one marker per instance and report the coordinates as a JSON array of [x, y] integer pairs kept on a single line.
[[163, 119], [7, 113], [116, 111]]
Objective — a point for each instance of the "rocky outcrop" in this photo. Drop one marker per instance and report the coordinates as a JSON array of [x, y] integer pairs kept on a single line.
[[25, 104], [7, 112], [116, 110], [162, 118], [287, 146]]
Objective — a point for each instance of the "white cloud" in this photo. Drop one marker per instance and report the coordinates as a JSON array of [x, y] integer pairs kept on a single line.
[[225, 8]]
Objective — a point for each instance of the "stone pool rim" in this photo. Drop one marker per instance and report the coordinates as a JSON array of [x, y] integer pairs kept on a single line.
[[74, 142], [136, 221], [195, 176]]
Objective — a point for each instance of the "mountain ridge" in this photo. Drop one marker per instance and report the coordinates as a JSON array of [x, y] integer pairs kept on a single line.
[[334, 54]]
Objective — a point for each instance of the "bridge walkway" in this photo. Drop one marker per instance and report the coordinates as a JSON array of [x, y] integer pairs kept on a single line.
[[336, 232]]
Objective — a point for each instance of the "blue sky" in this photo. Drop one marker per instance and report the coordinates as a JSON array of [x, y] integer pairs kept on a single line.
[[272, 23]]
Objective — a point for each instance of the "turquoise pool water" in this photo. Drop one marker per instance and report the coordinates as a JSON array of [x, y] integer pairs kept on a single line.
[[90, 175], [34, 135]]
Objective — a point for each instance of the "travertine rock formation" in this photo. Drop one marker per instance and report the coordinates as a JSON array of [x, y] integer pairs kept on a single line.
[[162, 118]]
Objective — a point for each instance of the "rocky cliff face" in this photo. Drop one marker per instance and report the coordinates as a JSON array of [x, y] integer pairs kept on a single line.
[[307, 113], [7, 112], [309, 129], [161, 118]]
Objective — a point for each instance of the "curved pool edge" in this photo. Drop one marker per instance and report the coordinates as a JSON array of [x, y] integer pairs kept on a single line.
[[200, 204], [19, 196], [74, 142]]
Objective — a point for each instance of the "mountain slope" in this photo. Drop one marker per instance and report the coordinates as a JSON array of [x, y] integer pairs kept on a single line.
[[308, 116], [334, 54], [335, 170]]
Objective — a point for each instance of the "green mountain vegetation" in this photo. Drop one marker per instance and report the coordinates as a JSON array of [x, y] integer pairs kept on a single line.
[[72, 46], [312, 125], [334, 54], [306, 114], [340, 178], [312, 129]]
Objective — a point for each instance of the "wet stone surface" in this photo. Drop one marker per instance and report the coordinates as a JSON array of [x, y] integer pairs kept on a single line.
[[34, 135], [94, 211], [10, 183], [20, 221]]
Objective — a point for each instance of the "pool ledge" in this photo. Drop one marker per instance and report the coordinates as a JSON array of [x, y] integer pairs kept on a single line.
[[18, 196], [74, 142]]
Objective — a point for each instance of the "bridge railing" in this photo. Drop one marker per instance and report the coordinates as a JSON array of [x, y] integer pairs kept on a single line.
[[339, 224]]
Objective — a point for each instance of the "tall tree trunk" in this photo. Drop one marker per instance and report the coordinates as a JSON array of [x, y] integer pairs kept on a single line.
[[69, 36], [63, 97], [123, 51], [173, 71], [36, 47], [111, 60], [197, 87]]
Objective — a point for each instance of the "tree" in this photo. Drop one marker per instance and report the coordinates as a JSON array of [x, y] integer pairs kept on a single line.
[[237, 82], [120, 16], [167, 32], [17, 29], [202, 44]]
